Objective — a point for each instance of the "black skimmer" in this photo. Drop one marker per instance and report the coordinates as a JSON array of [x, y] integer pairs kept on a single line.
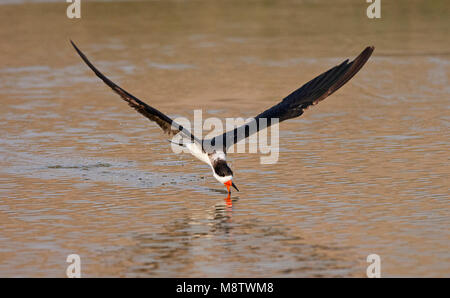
[[213, 151]]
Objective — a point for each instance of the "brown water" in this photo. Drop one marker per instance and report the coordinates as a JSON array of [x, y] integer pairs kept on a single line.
[[366, 171]]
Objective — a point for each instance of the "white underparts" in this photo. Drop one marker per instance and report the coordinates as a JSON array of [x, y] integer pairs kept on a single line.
[[197, 151], [218, 155]]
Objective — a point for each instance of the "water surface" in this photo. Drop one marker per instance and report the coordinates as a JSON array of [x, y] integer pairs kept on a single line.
[[364, 172]]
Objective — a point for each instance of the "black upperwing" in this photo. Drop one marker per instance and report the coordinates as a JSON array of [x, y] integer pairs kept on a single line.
[[294, 104], [168, 125]]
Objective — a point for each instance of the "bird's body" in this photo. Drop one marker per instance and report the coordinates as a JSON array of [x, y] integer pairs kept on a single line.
[[196, 150], [213, 151]]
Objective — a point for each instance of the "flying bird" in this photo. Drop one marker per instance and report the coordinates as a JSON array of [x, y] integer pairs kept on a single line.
[[213, 151]]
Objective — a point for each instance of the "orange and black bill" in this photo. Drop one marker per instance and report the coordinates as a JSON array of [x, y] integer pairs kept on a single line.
[[230, 183]]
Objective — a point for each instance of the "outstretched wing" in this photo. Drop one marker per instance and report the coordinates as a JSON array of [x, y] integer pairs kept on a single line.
[[294, 104], [169, 126]]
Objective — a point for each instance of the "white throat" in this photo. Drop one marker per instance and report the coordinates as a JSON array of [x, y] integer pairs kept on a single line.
[[222, 179]]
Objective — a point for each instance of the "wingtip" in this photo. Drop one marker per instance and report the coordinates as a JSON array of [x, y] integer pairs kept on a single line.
[[370, 48], [73, 44], [365, 54]]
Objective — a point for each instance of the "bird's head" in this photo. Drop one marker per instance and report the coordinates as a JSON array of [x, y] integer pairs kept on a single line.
[[224, 174]]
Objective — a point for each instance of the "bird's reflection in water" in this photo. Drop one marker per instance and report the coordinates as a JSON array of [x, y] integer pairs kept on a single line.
[[197, 240], [228, 201], [171, 248], [223, 214]]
